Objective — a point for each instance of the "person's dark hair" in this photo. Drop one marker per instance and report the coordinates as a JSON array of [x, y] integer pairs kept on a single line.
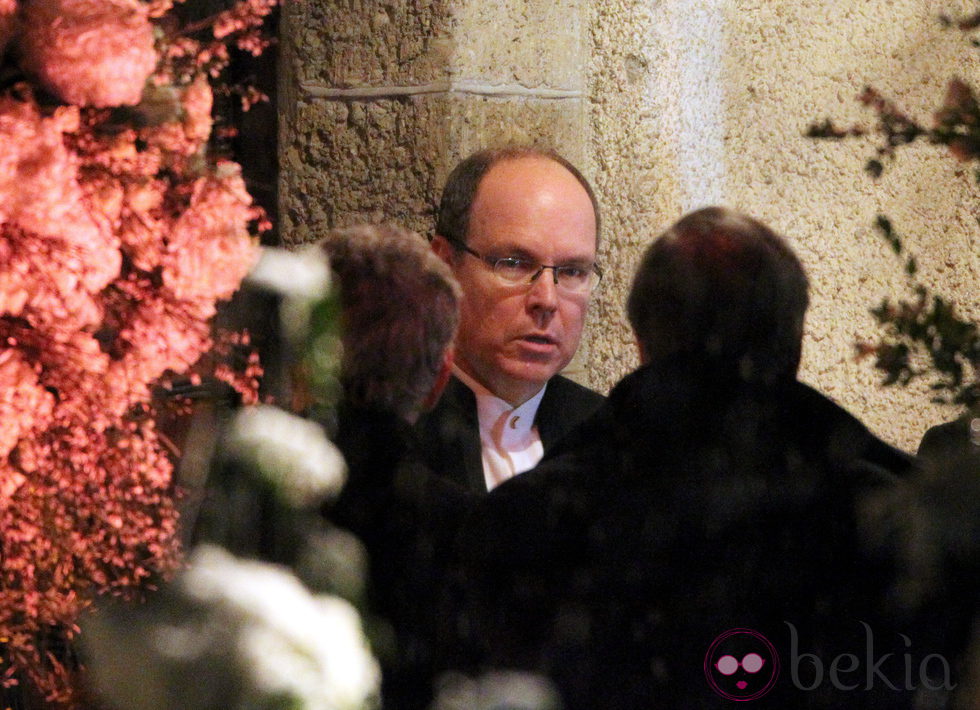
[[399, 312], [459, 193], [722, 287]]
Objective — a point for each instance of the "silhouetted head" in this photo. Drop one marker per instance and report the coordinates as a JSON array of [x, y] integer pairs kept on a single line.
[[725, 289]]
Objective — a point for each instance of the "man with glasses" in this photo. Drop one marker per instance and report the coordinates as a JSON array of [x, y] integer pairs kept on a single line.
[[519, 227]]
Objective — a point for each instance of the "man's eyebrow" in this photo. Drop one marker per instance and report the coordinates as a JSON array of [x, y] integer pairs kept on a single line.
[[512, 250]]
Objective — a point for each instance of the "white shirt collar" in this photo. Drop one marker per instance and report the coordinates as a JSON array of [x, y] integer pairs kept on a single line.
[[510, 441]]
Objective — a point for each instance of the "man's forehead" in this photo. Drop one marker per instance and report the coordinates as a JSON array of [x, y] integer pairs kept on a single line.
[[528, 172], [530, 201]]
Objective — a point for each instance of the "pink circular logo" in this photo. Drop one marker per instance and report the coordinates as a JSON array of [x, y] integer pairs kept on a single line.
[[741, 665]]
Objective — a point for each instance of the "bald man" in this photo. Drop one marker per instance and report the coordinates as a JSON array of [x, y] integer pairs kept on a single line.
[[519, 228]]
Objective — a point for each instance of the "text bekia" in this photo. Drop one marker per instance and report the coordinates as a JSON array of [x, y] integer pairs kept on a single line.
[[847, 672]]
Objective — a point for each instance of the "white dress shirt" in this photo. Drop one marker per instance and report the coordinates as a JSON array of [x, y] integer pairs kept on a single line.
[[510, 442]]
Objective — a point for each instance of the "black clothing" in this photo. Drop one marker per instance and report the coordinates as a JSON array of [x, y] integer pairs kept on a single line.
[[942, 543], [950, 440], [406, 517], [689, 505], [450, 433]]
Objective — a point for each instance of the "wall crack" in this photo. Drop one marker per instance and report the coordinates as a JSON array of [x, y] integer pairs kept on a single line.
[[468, 88]]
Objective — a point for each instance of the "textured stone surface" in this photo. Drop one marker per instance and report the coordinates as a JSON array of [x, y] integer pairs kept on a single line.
[[633, 175], [361, 43], [798, 70], [335, 172], [532, 43], [387, 160], [345, 43]]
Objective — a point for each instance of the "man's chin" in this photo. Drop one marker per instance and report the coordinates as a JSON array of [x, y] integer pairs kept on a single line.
[[533, 375]]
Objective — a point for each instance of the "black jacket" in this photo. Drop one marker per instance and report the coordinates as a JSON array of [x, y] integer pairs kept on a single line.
[[690, 505], [407, 518], [450, 433]]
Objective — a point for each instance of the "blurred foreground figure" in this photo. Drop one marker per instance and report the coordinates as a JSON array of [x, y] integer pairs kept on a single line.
[[701, 539], [399, 311], [939, 527]]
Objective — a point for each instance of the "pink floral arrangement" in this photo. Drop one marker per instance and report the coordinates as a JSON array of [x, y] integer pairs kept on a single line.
[[120, 231]]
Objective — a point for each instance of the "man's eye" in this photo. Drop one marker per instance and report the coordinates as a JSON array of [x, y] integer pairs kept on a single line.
[[573, 272], [515, 265]]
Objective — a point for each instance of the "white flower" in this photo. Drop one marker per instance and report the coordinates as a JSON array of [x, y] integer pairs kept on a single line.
[[309, 648], [236, 634], [333, 559], [304, 273], [301, 278], [290, 452], [329, 667]]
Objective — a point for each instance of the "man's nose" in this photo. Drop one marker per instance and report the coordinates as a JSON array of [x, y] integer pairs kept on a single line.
[[544, 291]]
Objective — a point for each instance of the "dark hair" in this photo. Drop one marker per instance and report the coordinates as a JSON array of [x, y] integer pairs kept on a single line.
[[725, 288], [459, 193], [400, 308]]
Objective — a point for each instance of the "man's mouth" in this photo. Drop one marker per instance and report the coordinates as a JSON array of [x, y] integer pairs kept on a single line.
[[540, 339]]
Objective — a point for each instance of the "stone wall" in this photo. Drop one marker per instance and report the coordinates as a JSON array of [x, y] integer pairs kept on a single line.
[[382, 98], [667, 105]]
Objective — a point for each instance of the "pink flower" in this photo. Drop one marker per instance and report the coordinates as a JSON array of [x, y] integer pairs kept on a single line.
[[197, 102], [189, 135], [40, 192], [77, 369], [90, 52], [24, 404], [8, 22], [162, 335], [144, 226], [245, 15], [13, 288], [211, 250], [10, 481], [63, 542], [113, 252]]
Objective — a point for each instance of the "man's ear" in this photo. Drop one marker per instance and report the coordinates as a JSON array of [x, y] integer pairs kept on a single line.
[[442, 379], [644, 356], [443, 249]]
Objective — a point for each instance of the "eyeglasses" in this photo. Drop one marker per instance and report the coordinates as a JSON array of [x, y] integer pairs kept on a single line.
[[514, 271]]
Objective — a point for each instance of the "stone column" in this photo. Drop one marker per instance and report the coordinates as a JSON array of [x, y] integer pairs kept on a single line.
[[380, 99]]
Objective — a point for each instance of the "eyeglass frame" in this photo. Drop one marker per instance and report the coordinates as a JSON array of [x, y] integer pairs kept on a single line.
[[492, 262]]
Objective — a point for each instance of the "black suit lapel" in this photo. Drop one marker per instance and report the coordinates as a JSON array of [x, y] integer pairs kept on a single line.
[[565, 404], [554, 418], [451, 437]]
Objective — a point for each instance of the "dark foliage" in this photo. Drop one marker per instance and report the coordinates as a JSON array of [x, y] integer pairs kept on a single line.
[[922, 335]]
